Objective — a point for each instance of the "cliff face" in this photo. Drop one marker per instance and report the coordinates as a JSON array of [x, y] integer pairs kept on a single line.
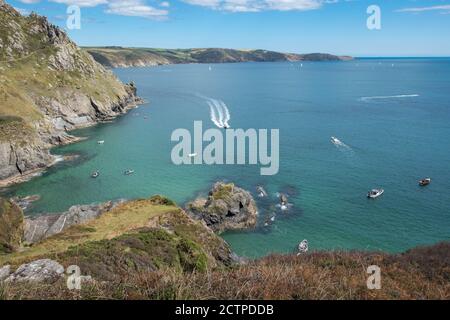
[[140, 57], [47, 86]]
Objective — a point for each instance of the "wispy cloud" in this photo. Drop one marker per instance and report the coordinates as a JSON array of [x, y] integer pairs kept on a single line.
[[22, 11], [135, 8], [444, 8], [81, 3], [29, 1], [258, 5]]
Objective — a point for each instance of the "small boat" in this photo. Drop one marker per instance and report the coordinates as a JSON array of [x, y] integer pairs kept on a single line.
[[302, 247], [128, 172], [226, 126], [283, 202], [335, 140], [192, 155], [424, 182], [375, 193], [272, 218], [95, 174], [101, 142], [261, 192]]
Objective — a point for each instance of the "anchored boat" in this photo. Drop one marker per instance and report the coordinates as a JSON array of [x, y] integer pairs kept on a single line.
[[95, 174], [303, 247], [375, 193], [424, 182]]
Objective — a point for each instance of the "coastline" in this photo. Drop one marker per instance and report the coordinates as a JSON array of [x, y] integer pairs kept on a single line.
[[30, 174]]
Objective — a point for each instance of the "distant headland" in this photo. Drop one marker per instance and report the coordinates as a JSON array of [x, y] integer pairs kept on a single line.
[[114, 57]]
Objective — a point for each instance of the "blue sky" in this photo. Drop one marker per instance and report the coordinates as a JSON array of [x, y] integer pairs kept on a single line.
[[408, 27]]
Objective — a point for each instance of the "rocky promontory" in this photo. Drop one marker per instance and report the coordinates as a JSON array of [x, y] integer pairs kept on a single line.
[[227, 207], [48, 86]]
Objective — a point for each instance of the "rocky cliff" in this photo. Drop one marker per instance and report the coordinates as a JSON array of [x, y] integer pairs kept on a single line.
[[48, 86], [140, 57]]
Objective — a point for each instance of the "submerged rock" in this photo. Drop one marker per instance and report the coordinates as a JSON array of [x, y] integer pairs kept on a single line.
[[227, 208], [45, 226], [44, 270], [25, 202], [11, 226]]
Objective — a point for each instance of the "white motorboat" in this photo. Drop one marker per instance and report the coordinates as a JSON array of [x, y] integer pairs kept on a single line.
[[261, 192], [129, 172], [303, 247], [95, 174], [335, 140], [375, 193], [101, 142], [424, 182]]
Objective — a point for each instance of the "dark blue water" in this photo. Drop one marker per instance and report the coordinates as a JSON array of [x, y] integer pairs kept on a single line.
[[392, 115]]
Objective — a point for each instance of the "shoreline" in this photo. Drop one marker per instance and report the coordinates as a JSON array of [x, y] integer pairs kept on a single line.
[[36, 172]]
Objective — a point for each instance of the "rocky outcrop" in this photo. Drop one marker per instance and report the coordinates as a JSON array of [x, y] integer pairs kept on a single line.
[[4, 272], [48, 86], [44, 226], [11, 226], [227, 207], [44, 270]]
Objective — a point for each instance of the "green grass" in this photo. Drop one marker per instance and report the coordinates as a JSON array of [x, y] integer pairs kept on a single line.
[[124, 218]]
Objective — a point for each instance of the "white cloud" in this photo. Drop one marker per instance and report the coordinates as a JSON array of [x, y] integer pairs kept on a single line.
[[135, 8], [81, 3], [164, 4], [29, 1], [132, 8], [259, 5], [445, 7], [23, 12]]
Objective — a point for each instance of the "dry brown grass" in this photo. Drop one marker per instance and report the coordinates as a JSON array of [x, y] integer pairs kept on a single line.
[[422, 273]]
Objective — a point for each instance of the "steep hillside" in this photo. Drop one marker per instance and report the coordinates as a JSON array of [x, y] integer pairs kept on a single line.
[[151, 249], [138, 57], [47, 87]]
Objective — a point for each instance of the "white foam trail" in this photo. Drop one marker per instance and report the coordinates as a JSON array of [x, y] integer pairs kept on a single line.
[[226, 113], [389, 97], [213, 114], [219, 111]]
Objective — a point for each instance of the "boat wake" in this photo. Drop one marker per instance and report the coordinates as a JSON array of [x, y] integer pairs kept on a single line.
[[220, 115], [338, 143], [400, 96]]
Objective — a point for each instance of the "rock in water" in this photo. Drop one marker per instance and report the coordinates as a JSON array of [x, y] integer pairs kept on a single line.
[[227, 208], [44, 270], [11, 226]]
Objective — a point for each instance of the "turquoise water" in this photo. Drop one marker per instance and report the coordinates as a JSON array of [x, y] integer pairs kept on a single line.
[[393, 115]]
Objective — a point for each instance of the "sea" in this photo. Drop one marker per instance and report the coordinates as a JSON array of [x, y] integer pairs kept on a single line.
[[390, 118]]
